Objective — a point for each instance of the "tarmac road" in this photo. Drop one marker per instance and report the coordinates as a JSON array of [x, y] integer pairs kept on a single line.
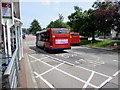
[[80, 67]]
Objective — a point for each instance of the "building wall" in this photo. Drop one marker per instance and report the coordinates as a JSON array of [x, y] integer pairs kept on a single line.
[[9, 23], [113, 34]]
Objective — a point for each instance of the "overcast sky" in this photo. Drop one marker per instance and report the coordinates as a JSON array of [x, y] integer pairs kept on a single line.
[[48, 11]]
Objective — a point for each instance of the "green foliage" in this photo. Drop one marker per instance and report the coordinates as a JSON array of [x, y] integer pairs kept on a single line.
[[58, 23], [99, 43], [107, 16], [87, 42], [34, 27], [82, 22]]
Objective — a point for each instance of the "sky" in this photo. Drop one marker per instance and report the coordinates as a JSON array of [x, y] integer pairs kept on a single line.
[[48, 11]]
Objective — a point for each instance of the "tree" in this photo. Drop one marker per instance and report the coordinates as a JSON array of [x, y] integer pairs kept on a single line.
[[107, 16], [34, 27], [82, 22], [116, 20], [58, 23], [25, 30]]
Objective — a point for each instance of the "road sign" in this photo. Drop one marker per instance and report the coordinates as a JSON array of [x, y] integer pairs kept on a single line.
[[6, 10]]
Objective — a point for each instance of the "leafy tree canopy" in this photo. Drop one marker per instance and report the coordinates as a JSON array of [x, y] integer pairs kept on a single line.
[[58, 23], [107, 16], [34, 27], [82, 21]]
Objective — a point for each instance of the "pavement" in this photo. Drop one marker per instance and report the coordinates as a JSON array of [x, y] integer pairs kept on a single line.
[[29, 62], [26, 79]]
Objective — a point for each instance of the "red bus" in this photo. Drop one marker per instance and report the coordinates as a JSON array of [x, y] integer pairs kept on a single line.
[[75, 38], [53, 39]]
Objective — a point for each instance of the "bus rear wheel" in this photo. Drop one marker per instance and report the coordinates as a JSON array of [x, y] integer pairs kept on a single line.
[[44, 48]]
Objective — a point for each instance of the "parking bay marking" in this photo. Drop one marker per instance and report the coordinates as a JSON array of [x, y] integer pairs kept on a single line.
[[37, 60], [86, 83], [77, 66], [109, 77], [50, 85], [65, 73], [107, 80], [89, 79]]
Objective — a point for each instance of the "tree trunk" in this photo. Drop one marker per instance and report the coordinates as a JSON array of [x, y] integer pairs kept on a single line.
[[117, 35], [93, 38], [104, 36]]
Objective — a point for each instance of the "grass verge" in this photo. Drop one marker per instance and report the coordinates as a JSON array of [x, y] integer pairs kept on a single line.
[[100, 43]]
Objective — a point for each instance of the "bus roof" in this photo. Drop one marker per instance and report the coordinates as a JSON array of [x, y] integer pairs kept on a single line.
[[41, 31], [51, 29]]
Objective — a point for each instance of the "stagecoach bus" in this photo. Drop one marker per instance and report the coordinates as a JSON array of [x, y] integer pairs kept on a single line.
[[75, 38], [53, 39]]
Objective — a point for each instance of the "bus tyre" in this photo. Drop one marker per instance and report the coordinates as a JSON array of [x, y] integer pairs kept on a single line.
[[44, 48]]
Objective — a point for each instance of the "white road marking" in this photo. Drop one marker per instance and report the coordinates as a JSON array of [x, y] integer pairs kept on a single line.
[[91, 76], [97, 62], [78, 66], [76, 78], [35, 83], [51, 69], [59, 60], [50, 85], [40, 59], [101, 85], [66, 73], [116, 73], [109, 77], [66, 55], [116, 61], [33, 61], [90, 62]]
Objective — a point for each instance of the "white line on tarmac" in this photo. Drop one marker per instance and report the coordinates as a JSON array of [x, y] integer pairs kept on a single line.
[[78, 66], [51, 69], [91, 61], [66, 73], [76, 78], [59, 60], [37, 60], [110, 78], [116, 73], [116, 61], [50, 85], [35, 83], [89, 79], [41, 61], [101, 85]]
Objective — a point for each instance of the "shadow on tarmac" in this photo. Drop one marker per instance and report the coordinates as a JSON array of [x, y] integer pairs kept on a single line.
[[39, 50]]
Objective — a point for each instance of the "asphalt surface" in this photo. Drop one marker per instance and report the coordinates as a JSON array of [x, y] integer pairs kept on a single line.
[[80, 67]]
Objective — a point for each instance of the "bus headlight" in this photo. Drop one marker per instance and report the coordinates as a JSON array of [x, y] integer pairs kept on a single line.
[[53, 36]]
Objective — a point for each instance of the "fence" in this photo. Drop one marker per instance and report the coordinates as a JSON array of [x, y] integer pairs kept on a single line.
[[11, 76]]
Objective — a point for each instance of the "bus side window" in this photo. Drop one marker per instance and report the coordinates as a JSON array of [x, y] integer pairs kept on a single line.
[[39, 37], [48, 36]]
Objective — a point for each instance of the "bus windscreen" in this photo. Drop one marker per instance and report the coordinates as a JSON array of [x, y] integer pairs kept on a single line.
[[60, 31]]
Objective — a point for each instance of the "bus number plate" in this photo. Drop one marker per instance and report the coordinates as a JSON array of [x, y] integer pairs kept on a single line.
[[61, 41]]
